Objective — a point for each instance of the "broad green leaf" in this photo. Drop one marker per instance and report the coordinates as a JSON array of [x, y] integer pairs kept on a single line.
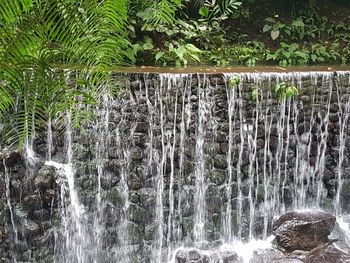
[[266, 28], [180, 51], [193, 48], [195, 57], [204, 11], [275, 34], [298, 23], [270, 19], [147, 46], [159, 55]]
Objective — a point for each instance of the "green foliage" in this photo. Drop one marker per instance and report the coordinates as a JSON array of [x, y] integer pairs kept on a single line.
[[273, 26], [234, 81], [285, 91], [219, 10], [181, 53], [289, 54], [36, 38], [159, 12], [320, 53], [255, 94], [249, 54]]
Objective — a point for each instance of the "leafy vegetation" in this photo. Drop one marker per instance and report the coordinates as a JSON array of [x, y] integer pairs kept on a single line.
[[285, 91], [240, 32], [38, 40]]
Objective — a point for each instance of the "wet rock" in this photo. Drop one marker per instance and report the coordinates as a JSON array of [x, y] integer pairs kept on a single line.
[[138, 214], [181, 256], [10, 157], [303, 230], [134, 182], [30, 228], [329, 253], [220, 162], [45, 177], [41, 215], [272, 255], [190, 256], [194, 255], [202, 256], [32, 202]]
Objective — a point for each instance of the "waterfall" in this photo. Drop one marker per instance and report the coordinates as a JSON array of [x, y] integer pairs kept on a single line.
[[10, 208], [200, 184], [74, 243], [183, 161]]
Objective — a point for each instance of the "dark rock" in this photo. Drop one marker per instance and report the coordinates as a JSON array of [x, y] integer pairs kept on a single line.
[[303, 230], [209, 256], [329, 253], [138, 214], [134, 181], [228, 256], [45, 177], [30, 228], [32, 202], [193, 255], [181, 256], [272, 255], [10, 157]]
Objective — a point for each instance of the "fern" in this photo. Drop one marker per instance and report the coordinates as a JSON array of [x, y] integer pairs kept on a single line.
[[39, 35], [161, 12]]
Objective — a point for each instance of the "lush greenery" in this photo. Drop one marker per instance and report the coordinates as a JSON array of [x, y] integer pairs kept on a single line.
[[40, 39], [240, 32]]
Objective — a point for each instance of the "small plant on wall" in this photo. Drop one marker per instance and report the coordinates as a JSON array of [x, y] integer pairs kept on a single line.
[[285, 91], [234, 81]]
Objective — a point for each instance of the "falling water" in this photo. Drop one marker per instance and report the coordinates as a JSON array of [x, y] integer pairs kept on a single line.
[[344, 110], [76, 243], [271, 154], [227, 225], [101, 147], [49, 140], [200, 186], [8, 199], [123, 231]]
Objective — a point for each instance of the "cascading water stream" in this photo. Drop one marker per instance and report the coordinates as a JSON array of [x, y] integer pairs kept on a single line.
[[9, 205], [227, 224], [73, 242], [200, 186], [186, 161]]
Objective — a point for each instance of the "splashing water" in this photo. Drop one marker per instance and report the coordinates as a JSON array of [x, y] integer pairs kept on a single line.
[[198, 166]]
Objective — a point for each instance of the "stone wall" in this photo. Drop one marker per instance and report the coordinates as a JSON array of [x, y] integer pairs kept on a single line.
[[167, 138]]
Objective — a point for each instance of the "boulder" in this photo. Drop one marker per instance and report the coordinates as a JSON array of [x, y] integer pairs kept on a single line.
[[335, 252], [273, 255], [208, 256], [303, 230]]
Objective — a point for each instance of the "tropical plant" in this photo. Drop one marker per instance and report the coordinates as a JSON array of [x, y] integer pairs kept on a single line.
[[219, 10], [234, 81], [321, 53], [38, 40], [290, 54], [285, 91], [181, 53], [159, 12]]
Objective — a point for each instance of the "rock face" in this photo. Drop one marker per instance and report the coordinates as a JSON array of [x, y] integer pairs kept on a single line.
[[198, 256], [303, 230], [150, 155], [336, 252], [303, 236]]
